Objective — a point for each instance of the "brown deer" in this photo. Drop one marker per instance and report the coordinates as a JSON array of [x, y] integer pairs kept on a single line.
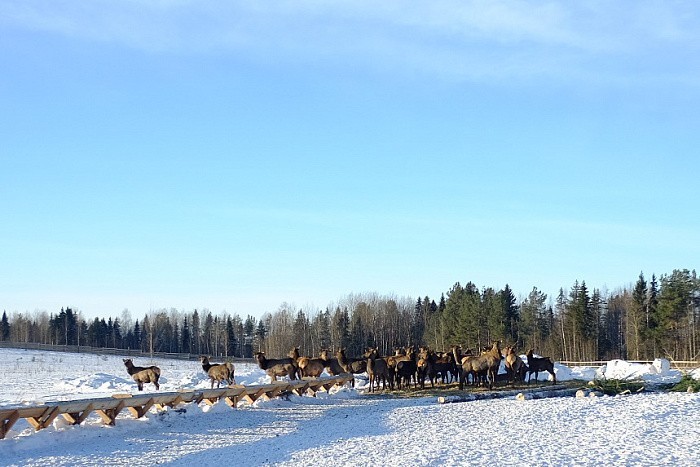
[[218, 372], [275, 367], [140, 374], [487, 363], [307, 366], [330, 363], [351, 365], [377, 370], [515, 367], [407, 369], [424, 367]]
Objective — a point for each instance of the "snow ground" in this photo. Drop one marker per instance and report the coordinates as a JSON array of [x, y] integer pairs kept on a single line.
[[344, 427]]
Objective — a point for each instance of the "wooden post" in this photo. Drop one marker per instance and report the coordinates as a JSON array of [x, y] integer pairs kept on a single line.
[[45, 419], [76, 418], [110, 415], [7, 422]]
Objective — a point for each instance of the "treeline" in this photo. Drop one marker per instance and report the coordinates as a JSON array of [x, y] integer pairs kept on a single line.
[[654, 318]]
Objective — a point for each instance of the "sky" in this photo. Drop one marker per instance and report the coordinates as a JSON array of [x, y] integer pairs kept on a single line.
[[238, 157]]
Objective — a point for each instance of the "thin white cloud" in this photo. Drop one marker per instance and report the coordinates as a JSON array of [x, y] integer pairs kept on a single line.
[[476, 39]]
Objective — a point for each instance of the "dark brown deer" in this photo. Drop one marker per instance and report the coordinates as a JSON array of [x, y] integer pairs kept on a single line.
[[487, 363], [275, 367], [377, 370], [443, 366], [406, 370], [537, 364], [218, 372], [351, 365], [307, 366], [140, 374], [515, 367], [424, 367], [330, 363]]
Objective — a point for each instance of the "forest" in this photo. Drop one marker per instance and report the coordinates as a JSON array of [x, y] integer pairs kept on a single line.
[[655, 317]]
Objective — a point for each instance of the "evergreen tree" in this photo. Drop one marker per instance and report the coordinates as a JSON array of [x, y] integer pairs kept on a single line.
[[260, 334], [300, 330], [652, 318], [324, 329], [186, 339], [4, 327], [208, 334], [231, 341], [533, 320], [637, 316], [676, 315], [249, 333], [420, 318], [511, 313], [116, 334], [136, 344], [494, 315]]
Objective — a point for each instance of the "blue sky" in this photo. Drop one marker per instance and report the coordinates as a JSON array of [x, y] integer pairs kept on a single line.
[[233, 157]]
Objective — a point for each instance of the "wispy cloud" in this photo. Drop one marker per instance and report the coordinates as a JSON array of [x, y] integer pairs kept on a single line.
[[465, 40]]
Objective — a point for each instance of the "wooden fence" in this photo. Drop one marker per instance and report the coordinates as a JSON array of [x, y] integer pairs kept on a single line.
[[76, 411], [113, 351], [677, 364]]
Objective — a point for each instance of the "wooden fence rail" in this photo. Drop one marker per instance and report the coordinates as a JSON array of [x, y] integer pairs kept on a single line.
[[678, 364], [76, 411], [114, 351]]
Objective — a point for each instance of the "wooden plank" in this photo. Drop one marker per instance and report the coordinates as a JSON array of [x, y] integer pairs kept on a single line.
[[109, 415], [76, 417], [254, 393], [140, 411], [9, 418], [300, 390], [45, 419]]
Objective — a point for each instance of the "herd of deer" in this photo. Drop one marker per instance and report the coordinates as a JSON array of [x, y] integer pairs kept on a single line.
[[407, 366], [411, 366]]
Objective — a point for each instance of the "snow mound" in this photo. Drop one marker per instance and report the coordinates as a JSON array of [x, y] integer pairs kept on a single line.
[[657, 372]]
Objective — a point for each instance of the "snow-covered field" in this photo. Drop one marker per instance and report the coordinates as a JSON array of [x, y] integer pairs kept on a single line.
[[344, 427]]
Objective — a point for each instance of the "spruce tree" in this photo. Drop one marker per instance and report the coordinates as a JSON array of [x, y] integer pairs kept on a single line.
[[185, 337], [511, 313], [4, 327]]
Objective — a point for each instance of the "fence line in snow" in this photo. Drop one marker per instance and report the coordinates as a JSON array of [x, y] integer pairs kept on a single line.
[[113, 351], [76, 411], [678, 364]]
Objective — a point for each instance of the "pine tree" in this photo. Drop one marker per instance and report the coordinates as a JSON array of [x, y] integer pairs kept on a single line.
[[231, 341], [676, 315], [494, 315], [249, 335], [341, 328], [4, 327], [511, 312], [652, 318], [300, 329], [324, 329], [637, 315], [185, 337], [260, 334], [137, 336]]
